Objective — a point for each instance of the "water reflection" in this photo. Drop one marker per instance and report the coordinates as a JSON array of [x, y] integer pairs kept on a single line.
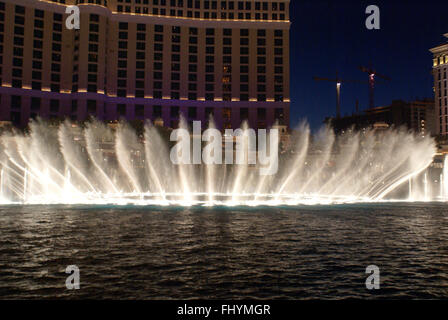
[[157, 253]]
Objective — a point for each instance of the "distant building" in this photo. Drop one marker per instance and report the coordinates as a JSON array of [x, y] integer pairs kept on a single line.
[[440, 69], [418, 116], [141, 59], [423, 117]]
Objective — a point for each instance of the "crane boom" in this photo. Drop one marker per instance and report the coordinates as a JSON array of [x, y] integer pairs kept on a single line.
[[338, 89], [372, 73]]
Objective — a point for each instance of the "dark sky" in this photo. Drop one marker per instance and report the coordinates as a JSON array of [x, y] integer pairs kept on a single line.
[[330, 35]]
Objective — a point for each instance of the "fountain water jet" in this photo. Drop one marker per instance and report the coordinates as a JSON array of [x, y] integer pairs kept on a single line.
[[98, 165]]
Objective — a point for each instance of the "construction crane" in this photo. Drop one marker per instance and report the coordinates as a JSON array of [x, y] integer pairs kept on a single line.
[[339, 82], [372, 75]]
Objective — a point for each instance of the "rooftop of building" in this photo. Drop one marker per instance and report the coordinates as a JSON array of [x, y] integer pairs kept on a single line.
[[424, 102], [440, 48]]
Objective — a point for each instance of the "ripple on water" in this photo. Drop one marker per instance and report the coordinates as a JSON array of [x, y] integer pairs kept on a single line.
[[164, 253]]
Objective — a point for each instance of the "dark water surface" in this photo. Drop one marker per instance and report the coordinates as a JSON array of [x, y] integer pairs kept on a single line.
[[220, 253]]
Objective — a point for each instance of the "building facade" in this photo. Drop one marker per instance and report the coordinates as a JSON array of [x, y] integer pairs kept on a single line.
[[440, 69], [417, 116], [146, 59]]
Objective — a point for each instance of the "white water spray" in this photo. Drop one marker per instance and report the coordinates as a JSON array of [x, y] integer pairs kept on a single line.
[[98, 165]]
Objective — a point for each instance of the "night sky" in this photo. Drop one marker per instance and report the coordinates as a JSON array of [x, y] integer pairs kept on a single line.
[[330, 35]]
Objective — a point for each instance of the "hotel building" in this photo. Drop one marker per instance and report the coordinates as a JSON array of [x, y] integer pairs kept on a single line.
[[417, 116], [146, 59], [440, 70]]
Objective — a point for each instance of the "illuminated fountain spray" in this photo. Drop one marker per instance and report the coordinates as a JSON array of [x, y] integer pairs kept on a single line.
[[444, 180], [99, 165], [1, 182], [25, 183]]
